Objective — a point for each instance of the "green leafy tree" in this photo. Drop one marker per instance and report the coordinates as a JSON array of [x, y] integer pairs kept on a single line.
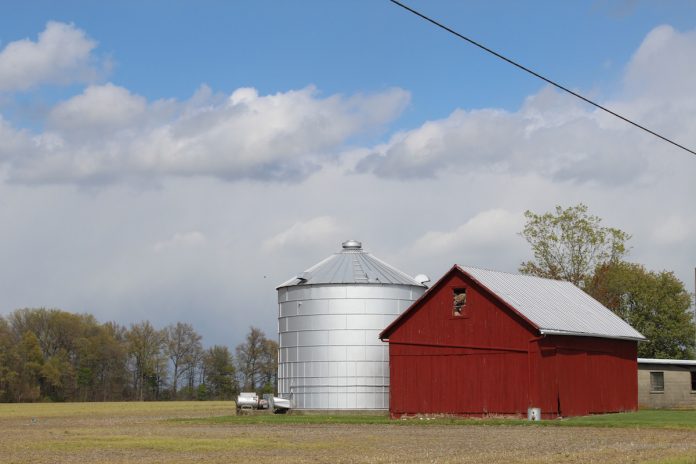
[[61, 336], [54, 329], [100, 363], [145, 349], [58, 378], [110, 368], [568, 244], [202, 392], [30, 361], [220, 379], [269, 367], [654, 303], [8, 361]]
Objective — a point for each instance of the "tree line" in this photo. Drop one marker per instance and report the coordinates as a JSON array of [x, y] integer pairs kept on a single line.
[[54, 355], [571, 244]]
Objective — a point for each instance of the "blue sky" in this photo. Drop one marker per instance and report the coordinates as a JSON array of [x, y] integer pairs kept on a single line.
[[177, 160], [164, 49]]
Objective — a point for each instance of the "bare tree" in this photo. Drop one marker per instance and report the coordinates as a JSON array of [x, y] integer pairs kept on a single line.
[[182, 342], [249, 357], [194, 368]]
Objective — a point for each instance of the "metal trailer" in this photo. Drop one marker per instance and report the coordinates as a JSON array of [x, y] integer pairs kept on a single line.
[[250, 401], [329, 318], [247, 400]]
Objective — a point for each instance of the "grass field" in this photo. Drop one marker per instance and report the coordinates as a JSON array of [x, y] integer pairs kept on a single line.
[[641, 419], [209, 432]]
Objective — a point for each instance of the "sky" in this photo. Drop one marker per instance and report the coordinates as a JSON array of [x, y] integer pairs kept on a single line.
[[176, 161]]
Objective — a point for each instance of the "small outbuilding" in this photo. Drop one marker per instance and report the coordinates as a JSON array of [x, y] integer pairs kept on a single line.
[[482, 342], [666, 383]]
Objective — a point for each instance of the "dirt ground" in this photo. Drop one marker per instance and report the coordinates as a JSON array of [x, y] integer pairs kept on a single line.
[[128, 434]]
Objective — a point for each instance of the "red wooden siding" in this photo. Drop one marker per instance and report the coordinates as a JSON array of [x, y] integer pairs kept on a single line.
[[492, 361], [593, 375]]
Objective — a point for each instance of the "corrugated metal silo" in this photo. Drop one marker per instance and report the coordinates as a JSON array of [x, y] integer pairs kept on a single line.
[[329, 319]]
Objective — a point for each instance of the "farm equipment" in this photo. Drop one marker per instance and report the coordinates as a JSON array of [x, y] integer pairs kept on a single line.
[[250, 401], [277, 405]]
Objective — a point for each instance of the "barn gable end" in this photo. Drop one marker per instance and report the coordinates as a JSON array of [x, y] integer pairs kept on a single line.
[[482, 315]]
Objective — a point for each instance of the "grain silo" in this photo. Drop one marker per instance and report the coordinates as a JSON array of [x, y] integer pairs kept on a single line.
[[329, 319]]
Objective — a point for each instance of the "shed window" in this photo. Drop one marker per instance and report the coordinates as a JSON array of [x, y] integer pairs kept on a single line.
[[459, 301], [657, 381], [693, 381]]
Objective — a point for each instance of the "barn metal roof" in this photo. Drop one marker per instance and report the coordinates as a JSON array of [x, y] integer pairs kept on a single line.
[[352, 265], [554, 306]]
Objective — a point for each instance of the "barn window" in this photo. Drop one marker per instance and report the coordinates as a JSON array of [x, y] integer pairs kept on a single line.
[[693, 381], [459, 301], [657, 381]]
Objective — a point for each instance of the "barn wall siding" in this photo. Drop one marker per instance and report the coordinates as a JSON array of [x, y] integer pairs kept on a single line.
[[461, 384], [594, 375], [492, 361]]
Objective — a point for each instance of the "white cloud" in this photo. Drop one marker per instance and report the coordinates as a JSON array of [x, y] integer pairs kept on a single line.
[[555, 135], [313, 232], [180, 240], [488, 233], [672, 230], [11, 140], [549, 135], [663, 66], [100, 109], [485, 228], [107, 134], [61, 55]]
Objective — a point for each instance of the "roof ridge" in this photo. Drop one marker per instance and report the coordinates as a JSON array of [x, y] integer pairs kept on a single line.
[[518, 274]]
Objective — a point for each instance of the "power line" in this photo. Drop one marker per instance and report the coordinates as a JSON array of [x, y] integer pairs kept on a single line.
[[533, 73]]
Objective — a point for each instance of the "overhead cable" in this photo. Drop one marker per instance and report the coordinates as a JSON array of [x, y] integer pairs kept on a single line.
[[545, 79]]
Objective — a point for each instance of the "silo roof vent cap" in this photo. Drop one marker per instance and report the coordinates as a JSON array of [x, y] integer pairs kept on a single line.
[[304, 276], [352, 245]]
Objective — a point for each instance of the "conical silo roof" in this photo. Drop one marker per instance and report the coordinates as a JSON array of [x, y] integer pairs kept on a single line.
[[352, 265]]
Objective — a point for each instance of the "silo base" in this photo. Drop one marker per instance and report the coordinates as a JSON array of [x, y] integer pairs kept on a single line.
[[340, 412]]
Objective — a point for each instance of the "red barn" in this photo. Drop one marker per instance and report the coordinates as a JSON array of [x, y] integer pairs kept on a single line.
[[481, 342]]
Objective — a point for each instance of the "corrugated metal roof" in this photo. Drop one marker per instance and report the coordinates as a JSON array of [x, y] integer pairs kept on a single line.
[[672, 362], [554, 306], [352, 265]]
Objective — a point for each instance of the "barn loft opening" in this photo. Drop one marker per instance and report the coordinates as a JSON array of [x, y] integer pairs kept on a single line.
[[459, 301]]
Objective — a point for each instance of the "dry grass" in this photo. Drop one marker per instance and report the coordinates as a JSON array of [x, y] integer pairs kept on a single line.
[[137, 432], [121, 409]]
